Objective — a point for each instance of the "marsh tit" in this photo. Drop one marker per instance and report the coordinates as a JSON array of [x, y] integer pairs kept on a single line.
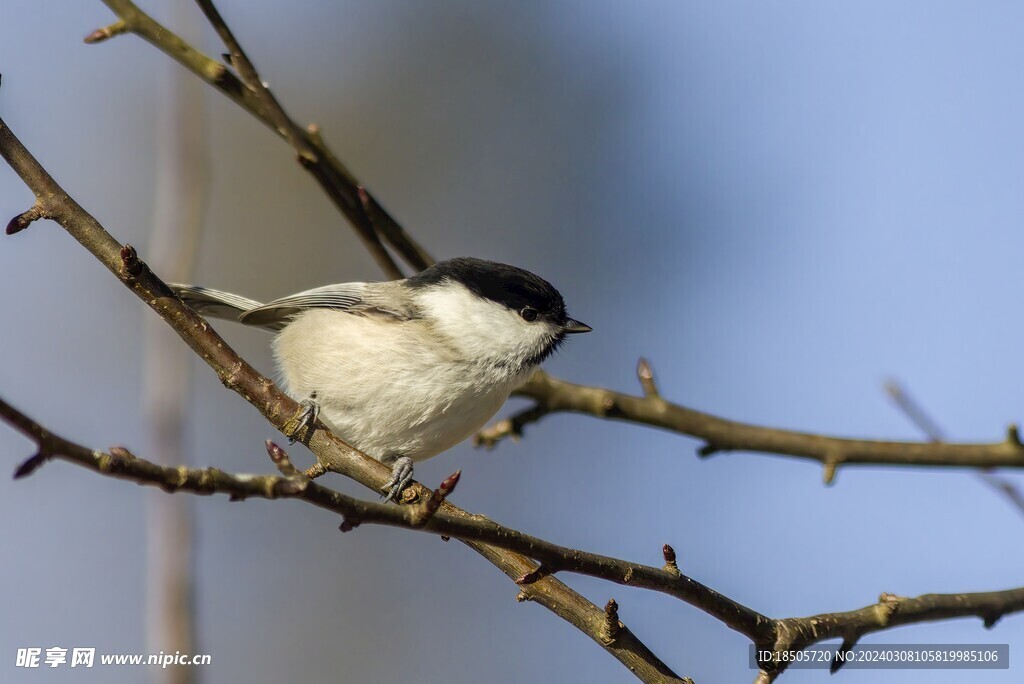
[[405, 369]]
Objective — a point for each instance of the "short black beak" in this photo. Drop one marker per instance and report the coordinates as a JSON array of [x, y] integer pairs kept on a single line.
[[573, 326]]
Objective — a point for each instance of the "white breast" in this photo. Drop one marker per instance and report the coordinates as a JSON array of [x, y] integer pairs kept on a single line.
[[383, 388]]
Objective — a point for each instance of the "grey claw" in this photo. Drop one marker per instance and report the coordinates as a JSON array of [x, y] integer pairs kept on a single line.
[[401, 476], [306, 419]]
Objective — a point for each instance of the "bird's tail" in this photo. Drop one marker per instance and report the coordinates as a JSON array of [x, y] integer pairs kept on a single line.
[[214, 303]]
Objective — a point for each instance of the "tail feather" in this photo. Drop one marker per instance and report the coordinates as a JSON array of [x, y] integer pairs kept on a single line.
[[217, 304]]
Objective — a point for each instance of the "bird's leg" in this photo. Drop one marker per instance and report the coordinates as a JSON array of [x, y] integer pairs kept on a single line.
[[401, 476], [305, 420]]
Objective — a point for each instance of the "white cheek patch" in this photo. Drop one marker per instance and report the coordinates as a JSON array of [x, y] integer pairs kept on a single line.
[[482, 329]]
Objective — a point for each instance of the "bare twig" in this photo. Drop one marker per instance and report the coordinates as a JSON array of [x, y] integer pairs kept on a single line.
[[913, 411], [720, 435], [919, 417], [511, 427], [272, 111], [891, 611], [106, 33], [1004, 487], [250, 92], [270, 108]]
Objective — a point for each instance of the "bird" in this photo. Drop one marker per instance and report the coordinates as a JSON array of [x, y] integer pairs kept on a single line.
[[405, 369]]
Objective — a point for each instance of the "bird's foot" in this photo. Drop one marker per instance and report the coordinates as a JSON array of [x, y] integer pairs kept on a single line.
[[303, 422], [401, 476]]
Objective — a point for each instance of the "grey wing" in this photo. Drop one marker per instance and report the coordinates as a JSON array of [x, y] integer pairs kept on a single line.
[[355, 298], [214, 303]]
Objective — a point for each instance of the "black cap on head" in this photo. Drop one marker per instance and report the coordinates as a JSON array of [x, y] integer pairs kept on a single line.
[[513, 287]]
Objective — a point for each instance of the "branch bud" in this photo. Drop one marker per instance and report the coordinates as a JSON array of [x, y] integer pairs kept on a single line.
[[611, 627], [31, 465], [130, 264], [24, 220], [106, 33], [535, 575], [670, 560]]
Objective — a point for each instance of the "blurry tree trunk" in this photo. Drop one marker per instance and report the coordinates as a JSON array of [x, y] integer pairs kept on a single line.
[[180, 182]]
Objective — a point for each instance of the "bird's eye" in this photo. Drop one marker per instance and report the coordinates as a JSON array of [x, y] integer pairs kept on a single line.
[[529, 314]]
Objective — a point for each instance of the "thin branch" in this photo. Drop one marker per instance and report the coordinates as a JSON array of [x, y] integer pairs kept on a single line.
[[1004, 487], [272, 111], [511, 427], [913, 411], [279, 409], [270, 108], [251, 93], [890, 611], [919, 417], [720, 435]]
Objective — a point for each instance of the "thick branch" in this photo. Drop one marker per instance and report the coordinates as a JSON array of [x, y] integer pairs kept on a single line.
[[120, 463], [236, 374], [719, 434]]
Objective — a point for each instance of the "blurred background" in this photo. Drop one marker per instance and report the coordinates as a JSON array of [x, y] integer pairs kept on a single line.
[[782, 205]]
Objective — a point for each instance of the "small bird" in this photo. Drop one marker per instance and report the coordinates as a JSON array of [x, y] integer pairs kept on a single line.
[[405, 369]]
